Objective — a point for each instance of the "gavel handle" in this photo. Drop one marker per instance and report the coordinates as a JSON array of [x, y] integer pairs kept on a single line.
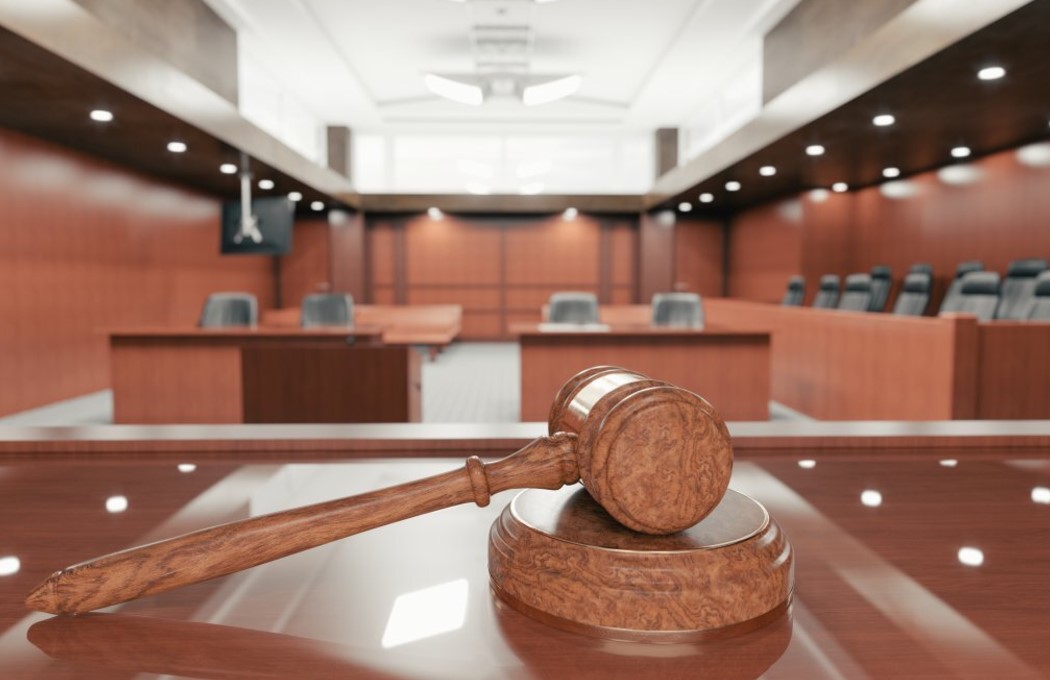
[[546, 463]]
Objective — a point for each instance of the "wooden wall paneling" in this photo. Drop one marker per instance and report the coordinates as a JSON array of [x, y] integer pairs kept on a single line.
[[1013, 370], [827, 240], [700, 256], [348, 265], [451, 252], [553, 251], [86, 246], [656, 253], [469, 297], [765, 249], [306, 269], [382, 252], [623, 256]]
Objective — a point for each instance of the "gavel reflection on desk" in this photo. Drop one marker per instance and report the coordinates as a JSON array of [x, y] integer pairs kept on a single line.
[[656, 457]]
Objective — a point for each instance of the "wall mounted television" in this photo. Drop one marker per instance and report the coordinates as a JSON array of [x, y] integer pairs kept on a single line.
[[275, 217]]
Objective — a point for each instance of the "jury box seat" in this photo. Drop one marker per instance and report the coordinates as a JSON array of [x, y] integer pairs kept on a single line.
[[230, 309]]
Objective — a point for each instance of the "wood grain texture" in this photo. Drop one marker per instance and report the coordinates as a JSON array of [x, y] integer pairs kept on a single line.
[[347, 252], [765, 249], [306, 269], [557, 556], [731, 370], [699, 250], [656, 255], [553, 251], [85, 246], [1013, 370]]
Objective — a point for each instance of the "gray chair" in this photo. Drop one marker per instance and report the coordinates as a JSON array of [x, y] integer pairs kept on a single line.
[[573, 307], [1018, 288], [953, 298], [326, 309], [857, 295], [914, 296], [881, 282], [1039, 306], [678, 310], [828, 292], [222, 310], [980, 294], [795, 293]]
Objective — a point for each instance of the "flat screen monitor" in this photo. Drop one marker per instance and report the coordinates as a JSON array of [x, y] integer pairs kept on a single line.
[[274, 219]]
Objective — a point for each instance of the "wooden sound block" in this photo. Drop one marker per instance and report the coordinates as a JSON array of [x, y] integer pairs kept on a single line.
[[558, 557]]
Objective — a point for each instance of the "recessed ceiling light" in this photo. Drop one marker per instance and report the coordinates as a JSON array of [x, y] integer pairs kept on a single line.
[[883, 120], [1041, 495], [839, 187], [317, 205], [819, 195], [685, 206], [266, 184], [434, 213], [101, 115], [294, 196], [187, 468], [890, 173], [115, 504], [177, 147], [991, 73], [807, 464], [949, 462], [570, 213], [960, 152], [732, 186], [9, 565], [767, 171], [227, 168], [814, 150], [871, 498], [707, 197]]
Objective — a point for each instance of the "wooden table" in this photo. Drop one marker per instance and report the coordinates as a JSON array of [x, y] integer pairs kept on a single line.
[[880, 591], [729, 368], [291, 375]]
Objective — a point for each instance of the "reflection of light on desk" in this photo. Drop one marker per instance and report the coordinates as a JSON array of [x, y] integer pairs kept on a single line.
[[1041, 495], [425, 613], [115, 504], [949, 462], [187, 467], [971, 557], [807, 464], [9, 565], [871, 498]]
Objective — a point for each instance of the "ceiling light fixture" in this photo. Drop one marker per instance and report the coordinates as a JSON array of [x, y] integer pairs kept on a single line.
[[550, 91], [177, 147], [732, 186], [890, 173], [960, 152], [455, 90], [570, 214], [767, 171], [707, 197], [685, 206], [971, 557], [266, 184], [294, 196], [434, 213], [991, 73], [9, 565], [839, 187], [883, 120], [317, 205], [227, 168], [814, 150], [101, 115]]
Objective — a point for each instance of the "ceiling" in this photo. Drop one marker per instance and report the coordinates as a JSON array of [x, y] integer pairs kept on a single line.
[[360, 63]]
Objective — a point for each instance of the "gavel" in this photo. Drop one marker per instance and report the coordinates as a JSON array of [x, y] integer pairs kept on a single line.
[[655, 456]]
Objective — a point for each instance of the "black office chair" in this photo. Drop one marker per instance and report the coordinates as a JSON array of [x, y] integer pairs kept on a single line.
[[222, 310], [573, 307], [881, 282], [980, 294], [326, 309], [827, 293], [678, 310], [914, 296], [857, 295], [795, 293], [953, 298], [1018, 287], [1039, 305]]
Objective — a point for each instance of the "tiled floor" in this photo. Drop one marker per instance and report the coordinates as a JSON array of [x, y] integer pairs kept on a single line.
[[471, 382]]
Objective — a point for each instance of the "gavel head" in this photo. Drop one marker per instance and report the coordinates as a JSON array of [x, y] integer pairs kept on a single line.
[[655, 456]]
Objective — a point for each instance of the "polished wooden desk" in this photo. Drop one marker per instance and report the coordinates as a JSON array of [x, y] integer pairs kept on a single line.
[[729, 368], [880, 589], [264, 375]]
